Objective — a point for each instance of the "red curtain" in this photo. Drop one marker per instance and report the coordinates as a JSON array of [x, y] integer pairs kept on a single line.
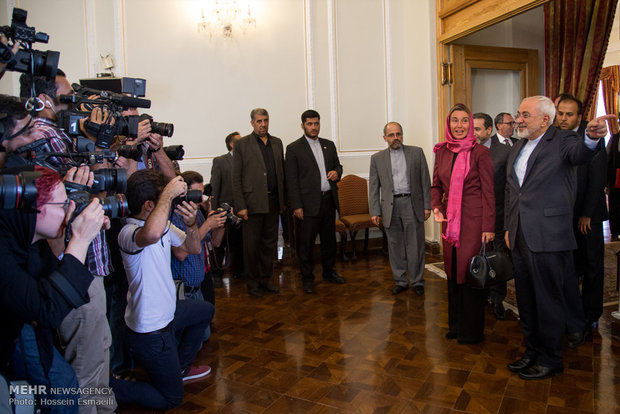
[[610, 83], [576, 37]]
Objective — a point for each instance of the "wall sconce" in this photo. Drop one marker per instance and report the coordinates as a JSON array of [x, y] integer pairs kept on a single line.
[[224, 16]]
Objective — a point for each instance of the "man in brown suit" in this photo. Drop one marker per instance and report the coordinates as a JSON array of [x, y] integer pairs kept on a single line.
[[258, 194]]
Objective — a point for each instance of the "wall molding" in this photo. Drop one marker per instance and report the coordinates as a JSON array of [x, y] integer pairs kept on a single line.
[[90, 31], [333, 72], [310, 94], [387, 43]]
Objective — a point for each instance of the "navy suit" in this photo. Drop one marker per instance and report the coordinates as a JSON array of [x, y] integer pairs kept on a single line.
[[538, 217]]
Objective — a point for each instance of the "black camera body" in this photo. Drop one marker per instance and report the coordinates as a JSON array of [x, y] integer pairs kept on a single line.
[[113, 206], [191, 195], [27, 60], [162, 128], [231, 218]]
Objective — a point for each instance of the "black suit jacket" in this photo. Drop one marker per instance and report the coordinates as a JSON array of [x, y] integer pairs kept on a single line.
[[543, 205], [499, 155], [513, 139], [590, 200], [250, 175], [221, 180], [303, 179]]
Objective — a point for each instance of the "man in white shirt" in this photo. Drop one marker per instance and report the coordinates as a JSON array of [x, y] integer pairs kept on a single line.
[[154, 317], [505, 126]]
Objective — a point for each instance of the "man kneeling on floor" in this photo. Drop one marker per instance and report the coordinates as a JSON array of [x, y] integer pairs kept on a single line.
[[154, 317]]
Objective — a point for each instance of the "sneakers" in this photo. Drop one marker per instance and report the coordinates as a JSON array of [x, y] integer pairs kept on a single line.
[[196, 372]]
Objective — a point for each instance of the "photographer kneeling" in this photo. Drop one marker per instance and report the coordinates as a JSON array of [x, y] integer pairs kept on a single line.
[[37, 290], [154, 316]]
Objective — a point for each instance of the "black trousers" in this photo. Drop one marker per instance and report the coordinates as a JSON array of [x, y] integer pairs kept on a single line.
[[544, 281], [497, 292], [323, 225], [260, 236], [590, 263], [235, 243], [465, 309]]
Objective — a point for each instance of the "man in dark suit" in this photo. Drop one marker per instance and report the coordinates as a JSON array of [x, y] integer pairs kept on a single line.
[[540, 194], [505, 126], [221, 185], [589, 213], [400, 199], [258, 194], [483, 126], [312, 171]]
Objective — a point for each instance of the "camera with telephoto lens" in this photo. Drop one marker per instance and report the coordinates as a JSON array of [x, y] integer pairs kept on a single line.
[[18, 190], [109, 179], [27, 60], [113, 206], [162, 128], [174, 152], [191, 195], [231, 218]]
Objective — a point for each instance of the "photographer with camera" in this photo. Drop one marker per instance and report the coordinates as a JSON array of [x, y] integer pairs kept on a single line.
[[84, 331], [151, 146], [154, 316], [193, 269], [37, 290]]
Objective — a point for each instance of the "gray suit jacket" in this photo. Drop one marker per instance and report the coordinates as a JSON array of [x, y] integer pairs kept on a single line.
[[250, 175], [381, 196], [221, 180]]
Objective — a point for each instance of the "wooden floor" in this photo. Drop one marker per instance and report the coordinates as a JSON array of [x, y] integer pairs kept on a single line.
[[357, 348]]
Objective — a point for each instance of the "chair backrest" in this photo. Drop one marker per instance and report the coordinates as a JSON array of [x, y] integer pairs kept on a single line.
[[353, 195]]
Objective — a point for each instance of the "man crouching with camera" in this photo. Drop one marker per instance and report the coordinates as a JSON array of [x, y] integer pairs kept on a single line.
[[154, 316]]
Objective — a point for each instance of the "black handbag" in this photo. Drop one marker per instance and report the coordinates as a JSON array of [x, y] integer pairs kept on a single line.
[[489, 268]]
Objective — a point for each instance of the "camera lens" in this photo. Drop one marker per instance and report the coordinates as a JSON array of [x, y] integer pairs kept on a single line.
[[115, 206]]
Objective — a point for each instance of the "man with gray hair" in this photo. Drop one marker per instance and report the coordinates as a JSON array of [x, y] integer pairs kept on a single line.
[[400, 199], [540, 193], [258, 195]]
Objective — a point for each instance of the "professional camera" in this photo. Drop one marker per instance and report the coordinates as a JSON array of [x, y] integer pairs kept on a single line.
[[27, 60], [109, 179], [113, 206], [19, 190], [133, 152], [174, 152], [160, 128], [191, 195], [231, 218]]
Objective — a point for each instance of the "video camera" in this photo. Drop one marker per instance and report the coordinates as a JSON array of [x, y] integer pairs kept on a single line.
[[27, 60]]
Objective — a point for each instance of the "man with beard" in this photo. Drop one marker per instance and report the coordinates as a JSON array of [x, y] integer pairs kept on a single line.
[[589, 213], [312, 171], [540, 193], [400, 199]]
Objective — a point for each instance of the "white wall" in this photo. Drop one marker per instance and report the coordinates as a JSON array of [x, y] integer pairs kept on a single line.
[[359, 63]]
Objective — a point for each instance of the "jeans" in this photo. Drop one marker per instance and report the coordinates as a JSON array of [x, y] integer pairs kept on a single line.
[[27, 365], [163, 360]]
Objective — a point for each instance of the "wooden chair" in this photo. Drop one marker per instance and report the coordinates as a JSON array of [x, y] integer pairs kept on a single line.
[[342, 229], [354, 211]]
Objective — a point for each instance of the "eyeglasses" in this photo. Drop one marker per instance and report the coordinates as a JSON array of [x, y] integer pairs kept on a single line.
[[65, 204], [524, 115], [513, 123]]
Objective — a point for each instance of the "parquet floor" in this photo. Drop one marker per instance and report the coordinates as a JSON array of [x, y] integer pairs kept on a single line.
[[356, 348]]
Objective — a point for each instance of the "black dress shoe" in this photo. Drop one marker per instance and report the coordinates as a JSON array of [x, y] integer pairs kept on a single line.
[[255, 292], [268, 287], [308, 287], [419, 290], [539, 372], [451, 335], [522, 364], [398, 289], [334, 278], [499, 311], [577, 338]]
